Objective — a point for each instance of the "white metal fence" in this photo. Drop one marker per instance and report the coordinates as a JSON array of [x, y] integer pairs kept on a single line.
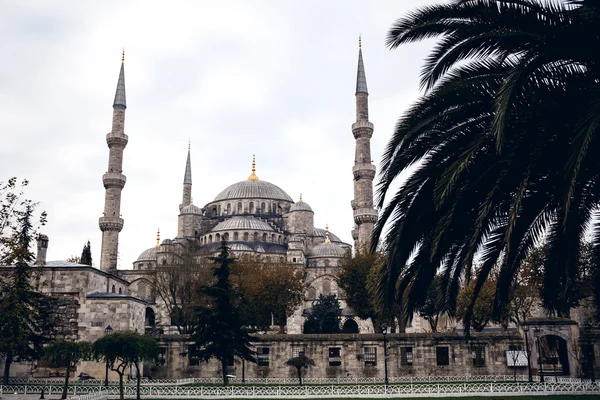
[[294, 381], [324, 391]]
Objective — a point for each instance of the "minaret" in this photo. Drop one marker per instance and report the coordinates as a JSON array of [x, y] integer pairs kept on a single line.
[[365, 215], [187, 182], [114, 180]]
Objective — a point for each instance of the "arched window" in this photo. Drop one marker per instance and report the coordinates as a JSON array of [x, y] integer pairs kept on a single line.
[[326, 287], [263, 207], [264, 237], [274, 208], [273, 238], [281, 260], [279, 239], [141, 292], [219, 209], [350, 326], [228, 208], [209, 238], [113, 288], [256, 236], [251, 208], [327, 263], [218, 237], [312, 293], [150, 317], [120, 291], [239, 208], [226, 236], [235, 236], [245, 236]]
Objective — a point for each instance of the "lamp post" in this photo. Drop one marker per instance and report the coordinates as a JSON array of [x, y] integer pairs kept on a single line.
[[384, 329], [244, 329], [537, 332], [108, 330], [526, 329]]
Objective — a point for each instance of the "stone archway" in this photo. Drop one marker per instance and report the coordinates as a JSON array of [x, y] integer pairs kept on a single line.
[[150, 319], [350, 326], [554, 355]]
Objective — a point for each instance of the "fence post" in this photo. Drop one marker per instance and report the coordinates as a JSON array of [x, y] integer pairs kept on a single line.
[[491, 387]]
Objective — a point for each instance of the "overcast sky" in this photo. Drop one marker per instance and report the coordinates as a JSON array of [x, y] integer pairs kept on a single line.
[[236, 78]]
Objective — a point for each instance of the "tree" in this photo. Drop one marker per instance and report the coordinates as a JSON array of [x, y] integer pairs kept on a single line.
[[300, 362], [325, 316], [353, 279], [505, 139], [482, 312], [122, 349], [267, 289], [177, 281], [219, 332], [66, 354], [86, 254], [430, 309], [21, 307]]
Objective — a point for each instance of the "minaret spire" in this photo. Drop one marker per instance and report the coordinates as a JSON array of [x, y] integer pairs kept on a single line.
[[187, 181], [111, 222], [253, 176], [365, 214]]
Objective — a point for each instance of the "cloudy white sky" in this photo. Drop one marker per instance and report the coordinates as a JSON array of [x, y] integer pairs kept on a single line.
[[273, 78]]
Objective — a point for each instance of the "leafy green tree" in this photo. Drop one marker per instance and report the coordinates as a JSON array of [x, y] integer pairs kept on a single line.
[[21, 306], [122, 349], [300, 362], [353, 278], [325, 316], [430, 310], [64, 354], [220, 333], [505, 137], [86, 254], [482, 312]]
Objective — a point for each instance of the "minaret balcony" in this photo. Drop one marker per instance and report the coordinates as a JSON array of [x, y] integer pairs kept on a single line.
[[114, 179], [364, 171], [110, 224], [117, 139], [362, 129], [365, 214]]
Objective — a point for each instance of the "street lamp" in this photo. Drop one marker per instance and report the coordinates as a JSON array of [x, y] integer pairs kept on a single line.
[[526, 329], [384, 329], [244, 329], [537, 332], [108, 330]]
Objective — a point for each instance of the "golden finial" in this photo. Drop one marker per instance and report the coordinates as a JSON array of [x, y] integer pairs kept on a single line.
[[158, 238], [300, 198], [123, 56], [327, 234], [253, 176], [189, 145], [359, 41]]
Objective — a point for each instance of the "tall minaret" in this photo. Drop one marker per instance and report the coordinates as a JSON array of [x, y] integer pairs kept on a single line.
[[187, 182], [114, 180], [365, 215]]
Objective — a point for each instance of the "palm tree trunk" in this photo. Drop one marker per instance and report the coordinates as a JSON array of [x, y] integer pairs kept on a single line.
[[66, 385], [139, 379], [299, 375], [121, 394], [7, 363]]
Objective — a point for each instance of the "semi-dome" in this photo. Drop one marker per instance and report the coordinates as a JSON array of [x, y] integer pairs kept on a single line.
[[167, 241], [148, 255], [327, 249], [253, 189], [239, 247], [191, 209], [321, 233], [300, 206], [242, 223]]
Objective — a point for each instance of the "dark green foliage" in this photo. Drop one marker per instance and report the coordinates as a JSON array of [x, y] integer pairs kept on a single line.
[[506, 138], [325, 316], [353, 278], [65, 354], [219, 333], [86, 254], [122, 349], [430, 309], [300, 362], [22, 308]]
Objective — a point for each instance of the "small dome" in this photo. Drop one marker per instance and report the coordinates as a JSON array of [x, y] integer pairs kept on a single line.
[[253, 189], [242, 223], [239, 247], [167, 241], [300, 206], [148, 255], [321, 233], [327, 250], [191, 209]]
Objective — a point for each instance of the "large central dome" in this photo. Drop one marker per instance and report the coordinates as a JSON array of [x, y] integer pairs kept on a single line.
[[253, 189]]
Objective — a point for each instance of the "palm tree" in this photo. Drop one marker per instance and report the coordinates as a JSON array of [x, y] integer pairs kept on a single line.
[[504, 144]]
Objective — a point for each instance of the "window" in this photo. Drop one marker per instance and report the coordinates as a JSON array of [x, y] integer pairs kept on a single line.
[[312, 293], [478, 355], [298, 351], [370, 356], [209, 238], [294, 259], [442, 355], [120, 291], [218, 237], [239, 208], [219, 209], [226, 236], [113, 288], [235, 236], [335, 356], [263, 208], [262, 356], [245, 236], [326, 287], [228, 208], [406, 356], [264, 239], [251, 208], [273, 238]]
